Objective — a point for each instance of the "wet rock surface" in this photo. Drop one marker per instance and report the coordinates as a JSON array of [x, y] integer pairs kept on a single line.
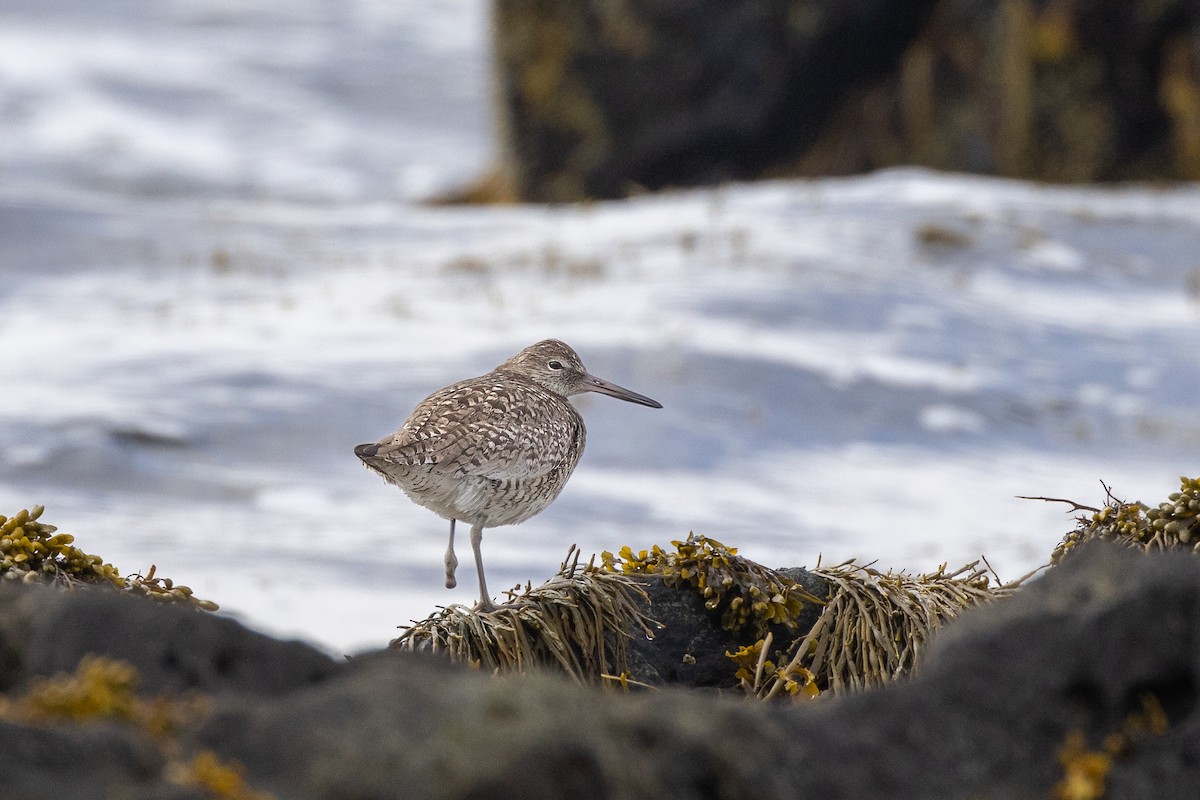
[[690, 648]]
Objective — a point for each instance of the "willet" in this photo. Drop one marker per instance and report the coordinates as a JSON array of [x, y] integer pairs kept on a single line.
[[496, 449]]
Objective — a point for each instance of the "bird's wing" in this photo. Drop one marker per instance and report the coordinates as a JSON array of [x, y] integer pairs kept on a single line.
[[485, 428]]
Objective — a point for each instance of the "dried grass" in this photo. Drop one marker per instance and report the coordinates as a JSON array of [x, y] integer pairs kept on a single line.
[[874, 626], [579, 621], [871, 630]]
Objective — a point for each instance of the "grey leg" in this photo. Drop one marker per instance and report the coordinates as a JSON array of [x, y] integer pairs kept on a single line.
[[451, 560], [485, 599]]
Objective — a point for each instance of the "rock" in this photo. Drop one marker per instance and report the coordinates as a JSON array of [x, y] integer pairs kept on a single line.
[[1072, 90], [1095, 665], [689, 651], [81, 762], [998, 699], [401, 725], [1003, 689], [602, 99], [44, 631]]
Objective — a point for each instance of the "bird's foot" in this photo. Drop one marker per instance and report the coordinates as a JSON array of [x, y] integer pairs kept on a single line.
[[484, 606]]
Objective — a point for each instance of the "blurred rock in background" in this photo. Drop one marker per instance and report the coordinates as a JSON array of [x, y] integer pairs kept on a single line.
[[606, 98]]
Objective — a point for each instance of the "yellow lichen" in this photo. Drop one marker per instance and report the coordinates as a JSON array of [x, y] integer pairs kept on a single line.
[[99, 688], [1085, 769], [218, 779], [102, 688], [745, 593], [31, 550]]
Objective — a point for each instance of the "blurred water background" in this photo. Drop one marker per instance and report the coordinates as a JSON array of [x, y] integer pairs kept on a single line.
[[218, 274]]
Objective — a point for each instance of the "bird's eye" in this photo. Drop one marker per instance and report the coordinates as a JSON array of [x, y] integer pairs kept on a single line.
[[555, 365]]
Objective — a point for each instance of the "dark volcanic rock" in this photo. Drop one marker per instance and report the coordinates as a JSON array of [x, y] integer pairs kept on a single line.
[[44, 631], [403, 726], [1002, 688], [601, 99], [690, 649], [999, 695], [1089, 651], [1071, 90], [82, 762]]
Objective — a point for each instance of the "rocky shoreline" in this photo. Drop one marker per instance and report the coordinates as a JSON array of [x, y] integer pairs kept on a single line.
[[1082, 684]]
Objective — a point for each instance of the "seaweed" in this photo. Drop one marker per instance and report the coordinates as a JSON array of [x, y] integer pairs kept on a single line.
[[579, 621], [31, 550], [743, 592], [871, 628], [1173, 524], [875, 624]]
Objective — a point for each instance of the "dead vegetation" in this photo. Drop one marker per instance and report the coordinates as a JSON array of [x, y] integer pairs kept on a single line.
[[579, 621], [871, 629]]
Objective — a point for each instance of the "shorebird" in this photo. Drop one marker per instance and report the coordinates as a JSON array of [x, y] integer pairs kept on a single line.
[[496, 449]]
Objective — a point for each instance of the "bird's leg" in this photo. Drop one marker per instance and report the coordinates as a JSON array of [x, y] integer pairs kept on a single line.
[[451, 560], [485, 599]]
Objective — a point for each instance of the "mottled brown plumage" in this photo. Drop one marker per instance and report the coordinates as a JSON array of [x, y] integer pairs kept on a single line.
[[496, 449]]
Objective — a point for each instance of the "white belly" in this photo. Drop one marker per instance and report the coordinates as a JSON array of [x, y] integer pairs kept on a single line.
[[475, 499]]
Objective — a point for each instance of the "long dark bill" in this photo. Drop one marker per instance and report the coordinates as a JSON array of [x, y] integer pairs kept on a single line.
[[593, 384]]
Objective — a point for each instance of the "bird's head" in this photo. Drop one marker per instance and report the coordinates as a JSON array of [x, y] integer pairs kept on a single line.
[[554, 365]]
